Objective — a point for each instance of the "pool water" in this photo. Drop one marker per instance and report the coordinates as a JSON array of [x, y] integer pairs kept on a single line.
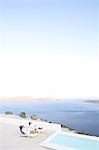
[[77, 143]]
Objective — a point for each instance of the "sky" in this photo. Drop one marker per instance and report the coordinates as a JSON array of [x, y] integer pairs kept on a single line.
[[49, 48]]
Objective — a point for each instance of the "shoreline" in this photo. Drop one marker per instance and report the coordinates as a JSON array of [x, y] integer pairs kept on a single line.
[[64, 124], [27, 118]]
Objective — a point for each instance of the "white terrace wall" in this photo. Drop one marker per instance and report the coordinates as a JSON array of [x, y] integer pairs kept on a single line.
[[15, 120]]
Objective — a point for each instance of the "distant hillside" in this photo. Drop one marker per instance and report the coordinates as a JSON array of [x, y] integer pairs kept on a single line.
[[92, 101], [26, 98], [21, 98]]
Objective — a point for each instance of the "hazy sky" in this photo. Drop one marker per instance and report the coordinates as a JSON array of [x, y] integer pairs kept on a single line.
[[49, 48]]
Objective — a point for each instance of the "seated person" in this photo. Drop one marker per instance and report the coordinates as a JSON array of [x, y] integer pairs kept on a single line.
[[26, 131], [32, 128], [35, 128], [23, 129]]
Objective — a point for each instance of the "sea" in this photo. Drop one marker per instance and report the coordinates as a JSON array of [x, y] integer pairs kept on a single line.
[[77, 114]]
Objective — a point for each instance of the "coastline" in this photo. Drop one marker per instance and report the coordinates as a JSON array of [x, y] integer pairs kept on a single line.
[[39, 109], [9, 115], [10, 134]]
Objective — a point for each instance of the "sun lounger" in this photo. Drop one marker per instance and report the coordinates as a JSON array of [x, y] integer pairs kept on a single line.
[[27, 132], [40, 130]]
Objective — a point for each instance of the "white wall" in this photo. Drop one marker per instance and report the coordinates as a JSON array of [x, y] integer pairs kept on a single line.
[[18, 121]]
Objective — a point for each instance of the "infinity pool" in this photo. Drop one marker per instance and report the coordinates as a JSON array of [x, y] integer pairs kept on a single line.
[[63, 141]]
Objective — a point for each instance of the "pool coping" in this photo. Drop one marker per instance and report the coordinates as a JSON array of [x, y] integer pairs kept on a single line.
[[46, 143]]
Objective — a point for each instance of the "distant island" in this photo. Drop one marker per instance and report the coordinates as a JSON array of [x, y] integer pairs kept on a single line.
[[27, 98], [12, 99], [92, 101], [42, 99]]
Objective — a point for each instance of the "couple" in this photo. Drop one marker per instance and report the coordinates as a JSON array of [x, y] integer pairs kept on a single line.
[[30, 130]]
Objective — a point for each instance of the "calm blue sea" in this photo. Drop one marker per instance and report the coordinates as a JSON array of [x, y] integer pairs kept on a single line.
[[78, 115]]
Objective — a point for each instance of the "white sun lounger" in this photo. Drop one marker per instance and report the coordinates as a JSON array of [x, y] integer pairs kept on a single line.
[[27, 132]]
